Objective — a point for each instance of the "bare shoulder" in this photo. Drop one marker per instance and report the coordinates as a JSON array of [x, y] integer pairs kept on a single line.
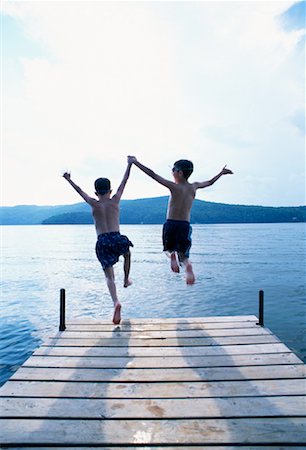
[[178, 187], [93, 202], [115, 198], [199, 184]]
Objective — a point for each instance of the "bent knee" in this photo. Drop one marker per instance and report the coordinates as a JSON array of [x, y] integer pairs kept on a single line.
[[109, 274]]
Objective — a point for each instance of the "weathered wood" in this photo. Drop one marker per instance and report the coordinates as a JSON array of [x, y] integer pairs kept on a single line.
[[61, 341], [173, 383], [137, 375], [150, 409], [179, 447], [163, 351], [133, 432], [117, 333], [179, 326], [286, 387], [162, 362], [164, 320]]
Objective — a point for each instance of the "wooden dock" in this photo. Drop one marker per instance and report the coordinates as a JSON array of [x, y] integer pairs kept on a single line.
[[211, 382]]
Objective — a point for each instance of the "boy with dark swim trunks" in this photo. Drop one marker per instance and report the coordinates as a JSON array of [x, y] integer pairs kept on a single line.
[[110, 243], [177, 229]]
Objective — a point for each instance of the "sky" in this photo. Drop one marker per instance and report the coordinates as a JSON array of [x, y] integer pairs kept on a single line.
[[86, 83]]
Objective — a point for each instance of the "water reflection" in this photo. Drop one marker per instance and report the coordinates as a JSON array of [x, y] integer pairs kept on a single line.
[[18, 339]]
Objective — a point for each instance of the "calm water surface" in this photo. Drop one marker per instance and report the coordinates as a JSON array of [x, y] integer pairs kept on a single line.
[[231, 262]]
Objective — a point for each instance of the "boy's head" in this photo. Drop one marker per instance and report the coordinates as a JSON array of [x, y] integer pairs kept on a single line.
[[185, 166], [102, 186]]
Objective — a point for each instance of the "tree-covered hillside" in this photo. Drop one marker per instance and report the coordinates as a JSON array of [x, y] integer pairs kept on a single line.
[[151, 211]]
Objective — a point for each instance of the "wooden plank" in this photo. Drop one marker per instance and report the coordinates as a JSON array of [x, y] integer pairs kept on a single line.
[[163, 351], [161, 327], [179, 447], [163, 320], [132, 432], [181, 326], [160, 342], [116, 333], [153, 390], [137, 375], [161, 362], [60, 408]]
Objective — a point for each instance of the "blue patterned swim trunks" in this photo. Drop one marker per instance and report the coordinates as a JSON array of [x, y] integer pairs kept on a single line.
[[110, 246]]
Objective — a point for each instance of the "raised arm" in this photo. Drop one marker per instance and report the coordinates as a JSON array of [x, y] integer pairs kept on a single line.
[[83, 194], [169, 184], [123, 182], [204, 184]]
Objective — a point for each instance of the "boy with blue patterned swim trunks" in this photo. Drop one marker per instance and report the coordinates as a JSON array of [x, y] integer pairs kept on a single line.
[[177, 228], [110, 243]]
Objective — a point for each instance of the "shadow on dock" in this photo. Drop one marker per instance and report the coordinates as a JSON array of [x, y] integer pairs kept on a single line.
[[236, 406], [168, 383], [82, 398]]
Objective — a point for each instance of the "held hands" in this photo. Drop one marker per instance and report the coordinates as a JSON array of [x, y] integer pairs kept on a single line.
[[226, 171], [66, 175], [131, 159]]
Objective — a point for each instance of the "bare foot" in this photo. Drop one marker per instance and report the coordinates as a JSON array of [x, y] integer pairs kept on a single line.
[[190, 278], [174, 265], [117, 314], [127, 283]]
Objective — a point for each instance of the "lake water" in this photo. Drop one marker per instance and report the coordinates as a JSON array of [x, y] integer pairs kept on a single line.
[[231, 262]]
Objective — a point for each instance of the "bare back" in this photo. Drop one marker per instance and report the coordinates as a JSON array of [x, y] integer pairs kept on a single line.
[[105, 211], [180, 202], [106, 215], [182, 192]]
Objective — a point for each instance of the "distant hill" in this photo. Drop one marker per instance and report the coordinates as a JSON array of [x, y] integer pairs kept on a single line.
[[151, 211], [34, 215]]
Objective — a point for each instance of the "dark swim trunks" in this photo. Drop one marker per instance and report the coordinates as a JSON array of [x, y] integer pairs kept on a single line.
[[110, 246], [177, 236]]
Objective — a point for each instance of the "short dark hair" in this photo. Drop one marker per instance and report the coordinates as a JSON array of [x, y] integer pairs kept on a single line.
[[185, 166], [102, 186]]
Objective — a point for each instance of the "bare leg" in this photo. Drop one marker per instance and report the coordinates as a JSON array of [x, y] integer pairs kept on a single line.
[[174, 264], [110, 280], [173, 261], [126, 268], [190, 278]]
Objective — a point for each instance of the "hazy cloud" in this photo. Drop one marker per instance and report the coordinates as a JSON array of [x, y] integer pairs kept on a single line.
[[216, 82]]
